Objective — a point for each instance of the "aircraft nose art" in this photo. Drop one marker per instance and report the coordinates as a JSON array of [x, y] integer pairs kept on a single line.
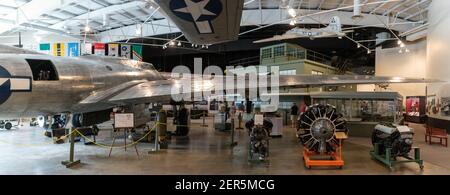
[[205, 21], [10, 84]]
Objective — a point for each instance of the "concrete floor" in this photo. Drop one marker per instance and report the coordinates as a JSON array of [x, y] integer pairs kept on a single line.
[[204, 152]]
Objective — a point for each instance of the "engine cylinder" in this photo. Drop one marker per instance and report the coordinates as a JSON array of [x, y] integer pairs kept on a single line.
[[398, 138]]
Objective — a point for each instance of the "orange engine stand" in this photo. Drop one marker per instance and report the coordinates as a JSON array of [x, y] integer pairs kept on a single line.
[[335, 158]]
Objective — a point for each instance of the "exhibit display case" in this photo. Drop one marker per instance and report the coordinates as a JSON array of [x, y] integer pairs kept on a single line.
[[415, 109], [364, 110]]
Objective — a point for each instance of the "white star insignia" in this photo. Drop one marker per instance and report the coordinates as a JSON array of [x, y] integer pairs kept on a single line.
[[3, 81], [196, 9]]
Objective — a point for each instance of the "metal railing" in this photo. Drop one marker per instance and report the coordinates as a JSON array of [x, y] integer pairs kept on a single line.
[[298, 54]]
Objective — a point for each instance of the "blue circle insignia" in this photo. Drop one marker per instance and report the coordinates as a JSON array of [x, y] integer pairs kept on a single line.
[[5, 88], [212, 6]]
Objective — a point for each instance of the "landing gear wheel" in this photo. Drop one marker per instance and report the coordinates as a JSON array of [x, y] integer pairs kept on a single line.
[[8, 126], [421, 167], [77, 120]]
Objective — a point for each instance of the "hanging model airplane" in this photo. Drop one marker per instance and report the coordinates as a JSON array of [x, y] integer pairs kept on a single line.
[[87, 87], [334, 29]]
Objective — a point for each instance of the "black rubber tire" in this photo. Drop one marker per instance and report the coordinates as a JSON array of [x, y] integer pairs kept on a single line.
[[8, 126], [77, 120]]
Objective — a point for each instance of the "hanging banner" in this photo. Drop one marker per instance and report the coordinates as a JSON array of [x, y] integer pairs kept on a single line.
[[87, 49], [113, 50], [137, 52], [45, 48], [58, 49], [125, 51], [73, 50], [99, 49]]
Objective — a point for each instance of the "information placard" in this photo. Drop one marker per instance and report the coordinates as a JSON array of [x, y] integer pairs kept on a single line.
[[259, 119], [124, 120]]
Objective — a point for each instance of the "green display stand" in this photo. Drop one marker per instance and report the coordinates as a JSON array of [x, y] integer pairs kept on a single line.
[[390, 161]]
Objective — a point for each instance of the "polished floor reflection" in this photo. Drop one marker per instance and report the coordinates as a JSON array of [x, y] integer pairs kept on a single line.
[[205, 151]]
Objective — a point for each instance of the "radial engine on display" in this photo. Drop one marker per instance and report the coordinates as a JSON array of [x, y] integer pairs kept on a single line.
[[398, 138], [317, 128], [259, 138]]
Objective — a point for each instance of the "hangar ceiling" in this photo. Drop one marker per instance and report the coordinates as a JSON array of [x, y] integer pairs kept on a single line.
[[107, 18], [141, 21]]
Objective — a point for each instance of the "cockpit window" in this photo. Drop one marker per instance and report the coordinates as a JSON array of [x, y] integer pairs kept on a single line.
[[144, 66], [43, 70], [147, 66]]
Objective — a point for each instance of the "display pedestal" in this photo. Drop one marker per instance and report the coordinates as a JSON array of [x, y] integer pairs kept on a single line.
[[277, 129], [220, 122]]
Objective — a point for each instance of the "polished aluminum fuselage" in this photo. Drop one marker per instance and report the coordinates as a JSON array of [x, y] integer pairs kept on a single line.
[[78, 78]]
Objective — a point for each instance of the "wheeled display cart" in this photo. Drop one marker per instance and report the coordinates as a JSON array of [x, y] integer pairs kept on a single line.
[[390, 161], [332, 159]]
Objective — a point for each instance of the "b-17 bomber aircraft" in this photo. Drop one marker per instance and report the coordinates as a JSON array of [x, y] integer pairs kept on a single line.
[[334, 29], [87, 87]]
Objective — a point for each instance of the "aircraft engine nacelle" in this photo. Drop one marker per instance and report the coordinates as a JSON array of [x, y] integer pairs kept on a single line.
[[91, 118], [317, 127]]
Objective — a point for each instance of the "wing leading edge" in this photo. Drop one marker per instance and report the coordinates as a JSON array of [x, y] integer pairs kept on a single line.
[[162, 91]]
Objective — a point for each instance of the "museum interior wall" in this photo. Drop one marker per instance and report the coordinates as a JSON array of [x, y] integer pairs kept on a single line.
[[32, 40], [438, 46], [390, 62]]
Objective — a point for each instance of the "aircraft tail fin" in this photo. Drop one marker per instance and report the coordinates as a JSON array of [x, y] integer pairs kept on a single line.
[[335, 24]]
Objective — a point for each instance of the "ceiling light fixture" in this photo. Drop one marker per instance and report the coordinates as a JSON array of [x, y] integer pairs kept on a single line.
[[292, 12], [87, 28], [292, 23]]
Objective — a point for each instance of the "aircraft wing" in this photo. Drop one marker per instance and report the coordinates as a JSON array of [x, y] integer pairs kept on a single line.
[[161, 91], [279, 38], [207, 21], [337, 80]]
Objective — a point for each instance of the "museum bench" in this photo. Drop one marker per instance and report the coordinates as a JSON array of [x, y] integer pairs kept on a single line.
[[433, 132]]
